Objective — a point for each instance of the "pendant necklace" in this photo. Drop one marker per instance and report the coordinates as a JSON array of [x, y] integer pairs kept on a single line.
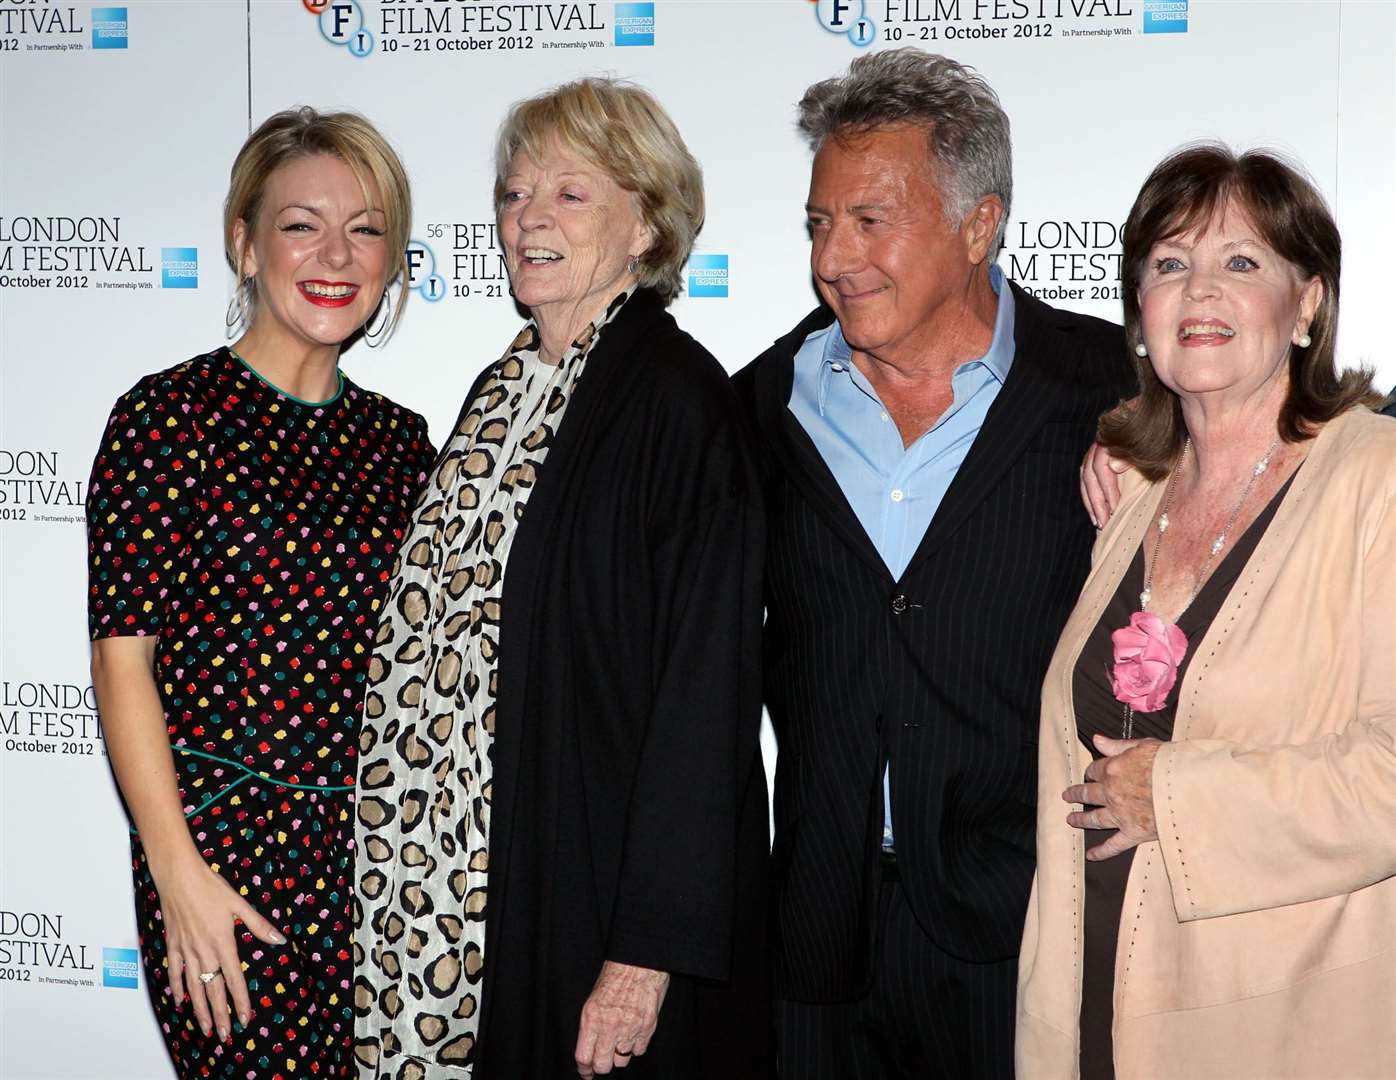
[[1173, 640]]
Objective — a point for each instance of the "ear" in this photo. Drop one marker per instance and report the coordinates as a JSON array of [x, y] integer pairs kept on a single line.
[[981, 227], [641, 239], [1309, 299], [243, 250]]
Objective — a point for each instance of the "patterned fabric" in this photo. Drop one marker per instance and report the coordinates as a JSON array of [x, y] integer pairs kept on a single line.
[[252, 534], [425, 774]]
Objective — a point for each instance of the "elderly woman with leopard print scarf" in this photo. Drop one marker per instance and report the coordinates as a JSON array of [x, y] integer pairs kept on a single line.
[[560, 782]]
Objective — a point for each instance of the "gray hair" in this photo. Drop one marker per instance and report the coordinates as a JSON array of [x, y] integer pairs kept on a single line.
[[966, 128]]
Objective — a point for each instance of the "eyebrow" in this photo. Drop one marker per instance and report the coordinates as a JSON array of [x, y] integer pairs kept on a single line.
[[571, 175], [811, 208], [313, 210], [1245, 241]]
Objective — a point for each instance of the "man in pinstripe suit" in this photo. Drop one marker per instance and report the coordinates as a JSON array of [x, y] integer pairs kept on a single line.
[[920, 439]]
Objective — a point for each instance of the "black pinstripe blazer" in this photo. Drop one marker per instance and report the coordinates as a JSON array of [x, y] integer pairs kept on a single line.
[[939, 672]]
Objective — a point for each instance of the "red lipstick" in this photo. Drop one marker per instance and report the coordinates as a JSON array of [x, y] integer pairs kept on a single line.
[[319, 297]]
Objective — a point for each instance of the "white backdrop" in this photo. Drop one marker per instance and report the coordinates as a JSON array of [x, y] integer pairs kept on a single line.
[[117, 128]]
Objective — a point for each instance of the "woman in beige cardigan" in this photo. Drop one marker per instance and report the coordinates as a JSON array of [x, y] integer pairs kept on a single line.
[[1217, 796]]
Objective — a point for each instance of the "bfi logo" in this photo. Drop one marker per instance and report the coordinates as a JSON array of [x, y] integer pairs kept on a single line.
[[342, 23], [848, 18]]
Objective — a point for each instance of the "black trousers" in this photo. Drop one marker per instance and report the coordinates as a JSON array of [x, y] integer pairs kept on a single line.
[[927, 1015]]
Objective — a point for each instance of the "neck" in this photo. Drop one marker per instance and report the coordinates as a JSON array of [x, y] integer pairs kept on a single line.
[[959, 330], [560, 323], [1228, 438], [302, 369]]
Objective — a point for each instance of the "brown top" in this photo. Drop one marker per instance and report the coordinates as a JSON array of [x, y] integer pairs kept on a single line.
[[1098, 712]]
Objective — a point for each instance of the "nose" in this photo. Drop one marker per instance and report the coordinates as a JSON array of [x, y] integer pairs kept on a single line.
[[536, 213], [335, 251], [835, 252], [1203, 282]]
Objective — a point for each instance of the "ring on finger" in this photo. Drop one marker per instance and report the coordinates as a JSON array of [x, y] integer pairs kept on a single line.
[[207, 977]]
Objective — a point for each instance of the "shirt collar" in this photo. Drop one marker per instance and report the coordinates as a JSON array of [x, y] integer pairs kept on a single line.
[[838, 354]]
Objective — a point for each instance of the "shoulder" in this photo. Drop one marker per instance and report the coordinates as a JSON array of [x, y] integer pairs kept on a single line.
[[680, 377], [1085, 331], [179, 388], [1077, 348], [384, 411], [1362, 447], [774, 367], [1092, 333]]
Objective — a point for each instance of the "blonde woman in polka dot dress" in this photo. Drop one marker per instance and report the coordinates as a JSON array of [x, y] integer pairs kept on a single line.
[[243, 513]]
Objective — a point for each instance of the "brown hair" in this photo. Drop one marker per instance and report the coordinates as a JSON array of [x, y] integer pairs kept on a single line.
[[623, 130], [293, 134], [1182, 195]]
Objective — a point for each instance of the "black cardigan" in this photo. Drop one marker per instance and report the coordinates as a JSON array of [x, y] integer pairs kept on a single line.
[[627, 770]]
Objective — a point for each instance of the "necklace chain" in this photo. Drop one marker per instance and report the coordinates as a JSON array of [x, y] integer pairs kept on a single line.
[[1216, 546]]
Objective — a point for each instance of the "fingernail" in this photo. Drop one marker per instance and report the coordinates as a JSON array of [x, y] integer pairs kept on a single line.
[[1094, 521], [223, 1034], [243, 1018], [278, 938]]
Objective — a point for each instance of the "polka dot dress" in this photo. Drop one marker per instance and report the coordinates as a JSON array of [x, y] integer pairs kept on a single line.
[[253, 533]]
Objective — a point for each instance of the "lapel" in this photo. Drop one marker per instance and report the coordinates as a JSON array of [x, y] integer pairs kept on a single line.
[[1027, 399], [795, 451], [1329, 448]]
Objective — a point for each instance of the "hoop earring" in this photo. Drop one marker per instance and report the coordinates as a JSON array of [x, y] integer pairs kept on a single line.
[[236, 316], [375, 336]]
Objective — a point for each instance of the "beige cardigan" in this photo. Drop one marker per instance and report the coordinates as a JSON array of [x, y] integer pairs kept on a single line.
[[1258, 934]]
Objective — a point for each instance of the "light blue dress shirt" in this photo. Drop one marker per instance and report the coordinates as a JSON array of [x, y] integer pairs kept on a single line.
[[895, 490]]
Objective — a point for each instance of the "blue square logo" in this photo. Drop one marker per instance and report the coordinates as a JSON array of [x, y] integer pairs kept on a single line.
[[1165, 16], [121, 968], [109, 28], [707, 275], [179, 268], [634, 24]]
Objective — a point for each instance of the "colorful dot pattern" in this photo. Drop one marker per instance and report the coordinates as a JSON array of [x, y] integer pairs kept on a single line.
[[254, 534]]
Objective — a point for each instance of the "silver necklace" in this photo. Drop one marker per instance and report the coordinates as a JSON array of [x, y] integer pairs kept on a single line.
[[1127, 731]]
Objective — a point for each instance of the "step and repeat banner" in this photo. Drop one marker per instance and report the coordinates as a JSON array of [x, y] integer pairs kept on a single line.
[[118, 125]]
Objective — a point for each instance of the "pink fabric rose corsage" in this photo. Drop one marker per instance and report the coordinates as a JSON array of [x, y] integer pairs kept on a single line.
[[1147, 654]]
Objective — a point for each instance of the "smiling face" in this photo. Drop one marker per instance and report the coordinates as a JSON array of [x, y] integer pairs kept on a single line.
[[569, 231], [1219, 309], [318, 251], [883, 255]]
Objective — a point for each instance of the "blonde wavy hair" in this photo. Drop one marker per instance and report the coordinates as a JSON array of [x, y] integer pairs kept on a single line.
[[304, 132], [621, 129]]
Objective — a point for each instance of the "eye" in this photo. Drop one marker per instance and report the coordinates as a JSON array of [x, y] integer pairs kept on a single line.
[[511, 196], [1241, 262], [369, 230], [870, 220], [1169, 264], [297, 226], [571, 196]]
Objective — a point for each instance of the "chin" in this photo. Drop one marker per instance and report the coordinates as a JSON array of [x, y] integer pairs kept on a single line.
[[336, 333], [863, 333]]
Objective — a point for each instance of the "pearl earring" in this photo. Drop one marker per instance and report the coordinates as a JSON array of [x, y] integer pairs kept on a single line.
[[1304, 341], [1141, 350]]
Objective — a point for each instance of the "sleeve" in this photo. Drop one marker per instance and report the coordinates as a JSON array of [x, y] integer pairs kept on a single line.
[[139, 503], [677, 895], [1246, 828]]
